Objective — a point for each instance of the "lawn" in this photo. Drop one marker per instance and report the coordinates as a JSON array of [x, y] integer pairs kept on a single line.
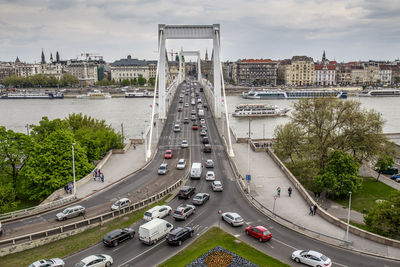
[[216, 237], [365, 197], [72, 244]]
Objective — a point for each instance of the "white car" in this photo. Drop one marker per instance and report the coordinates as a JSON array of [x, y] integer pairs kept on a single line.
[[202, 121], [210, 176], [217, 186], [184, 144], [157, 212], [99, 260], [209, 163], [232, 218], [311, 257], [56, 262], [181, 164], [121, 203]]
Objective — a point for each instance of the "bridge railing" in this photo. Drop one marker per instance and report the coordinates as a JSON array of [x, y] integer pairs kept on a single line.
[[17, 244]]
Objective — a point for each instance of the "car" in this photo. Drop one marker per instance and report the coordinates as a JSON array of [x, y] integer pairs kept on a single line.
[[232, 218], [207, 148], [259, 232], [202, 121], [200, 198], [205, 105], [205, 140], [216, 186], [395, 176], [121, 203], [311, 257], [177, 128], [56, 262], [181, 100], [98, 260], [195, 126], [209, 163], [113, 238], [203, 133], [183, 211], [193, 118], [159, 211], [180, 109], [186, 192], [181, 164], [163, 169], [168, 154], [181, 95], [186, 120], [178, 235], [210, 176], [186, 105], [70, 212], [390, 170], [184, 143], [204, 128], [193, 112]]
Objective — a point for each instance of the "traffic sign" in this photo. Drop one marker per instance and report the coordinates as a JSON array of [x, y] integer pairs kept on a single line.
[[248, 177]]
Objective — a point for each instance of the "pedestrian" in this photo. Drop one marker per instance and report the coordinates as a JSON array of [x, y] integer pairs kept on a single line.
[[278, 191], [154, 124], [70, 188], [134, 146], [315, 209], [315, 194], [66, 188], [290, 191], [95, 173], [311, 210], [98, 172], [102, 177]]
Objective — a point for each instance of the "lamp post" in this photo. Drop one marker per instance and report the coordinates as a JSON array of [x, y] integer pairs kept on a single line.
[[348, 218], [73, 167]]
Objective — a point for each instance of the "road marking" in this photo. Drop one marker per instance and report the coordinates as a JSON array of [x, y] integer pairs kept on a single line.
[[339, 264], [283, 243], [236, 235]]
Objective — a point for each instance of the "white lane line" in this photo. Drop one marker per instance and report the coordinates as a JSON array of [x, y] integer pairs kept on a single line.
[[339, 264], [283, 243], [144, 252]]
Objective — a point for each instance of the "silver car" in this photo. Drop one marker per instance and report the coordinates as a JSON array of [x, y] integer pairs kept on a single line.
[[183, 211], [163, 169], [121, 203], [232, 218], [181, 164], [200, 198], [70, 212], [56, 262], [217, 186]]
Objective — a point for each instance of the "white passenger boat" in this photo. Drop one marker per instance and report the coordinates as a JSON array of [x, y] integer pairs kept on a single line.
[[138, 93], [259, 110], [380, 92], [32, 95], [96, 94], [293, 94]]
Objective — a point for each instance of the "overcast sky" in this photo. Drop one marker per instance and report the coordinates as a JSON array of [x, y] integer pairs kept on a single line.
[[276, 29]]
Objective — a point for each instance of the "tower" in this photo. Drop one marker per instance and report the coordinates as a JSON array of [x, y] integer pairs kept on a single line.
[[51, 57], [57, 57], [206, 57], [323, 57], [43, 61]]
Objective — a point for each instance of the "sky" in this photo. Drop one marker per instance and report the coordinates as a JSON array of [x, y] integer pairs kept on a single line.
[[349, 30]]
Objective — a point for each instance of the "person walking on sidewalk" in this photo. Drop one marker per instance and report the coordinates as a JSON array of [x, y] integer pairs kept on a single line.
[[102, 177], [311, 210], [278, 191], [289, 191], [134, 146], [315, 209]]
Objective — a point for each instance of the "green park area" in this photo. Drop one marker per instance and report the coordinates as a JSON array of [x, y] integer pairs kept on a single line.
[[216, 237]]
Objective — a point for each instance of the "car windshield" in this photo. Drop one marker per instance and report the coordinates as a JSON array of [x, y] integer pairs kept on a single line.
[[147, 214], [266, 232], [324, 258], [162, 167], [80, 264], [118, 203], [66, 211], [197, 197], [238, 219]]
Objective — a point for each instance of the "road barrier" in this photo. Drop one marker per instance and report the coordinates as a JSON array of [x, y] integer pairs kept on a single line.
[[20, 243]]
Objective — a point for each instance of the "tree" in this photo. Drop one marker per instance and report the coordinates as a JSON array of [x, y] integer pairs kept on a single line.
[[68, 79], [135, 81], [50, 166], [340, 175], [125, 82], [7, 198], [384, 162], [288, 141], [141, 80], [152, 81], [384, 218]]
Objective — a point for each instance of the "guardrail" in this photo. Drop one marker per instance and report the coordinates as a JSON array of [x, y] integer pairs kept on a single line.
[[23, 242]]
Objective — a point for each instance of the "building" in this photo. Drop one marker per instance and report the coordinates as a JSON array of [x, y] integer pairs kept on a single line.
[[325, 72], [250, 72], [385, 74], [357, 75], [299, 71], [130, 68], [343, 74], [86, 72], [6, 70], [371, 73]]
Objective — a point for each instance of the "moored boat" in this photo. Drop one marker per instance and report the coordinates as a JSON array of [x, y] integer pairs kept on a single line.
[[32, 95], [259, 110], [138, 93], [293, 94], [96, 94], [380, 92]]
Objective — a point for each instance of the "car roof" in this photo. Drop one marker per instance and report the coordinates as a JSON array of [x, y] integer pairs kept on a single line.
[[209, 160], [314, 253], [76, 206], [201, 194], [185, 187], [217, 182], [233, 214], [121, 199], [90, 258], [168, 150], [181, 160], [176, 230], [114, 232], [210, 172], [163, 164], [261, 228]]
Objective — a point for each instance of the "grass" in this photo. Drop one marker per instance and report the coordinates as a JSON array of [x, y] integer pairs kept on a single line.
[[216, 237], [364, 199], [362, 226], [72, 244]]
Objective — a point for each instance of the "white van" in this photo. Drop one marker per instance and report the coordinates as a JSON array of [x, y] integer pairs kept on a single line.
[[201, 113], [157, 212], [154, 230], [196, 170]]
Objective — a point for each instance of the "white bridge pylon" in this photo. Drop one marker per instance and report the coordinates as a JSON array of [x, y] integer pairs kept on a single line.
[[182, 64], [166, 32]]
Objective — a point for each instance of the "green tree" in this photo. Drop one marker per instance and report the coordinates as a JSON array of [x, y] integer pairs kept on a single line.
[[383, 163], [152, 81], [68, 79], [340, 175], [7, 198], [141, 80], [50, 167], [384, 218], [125, 82], [14, 151], [46, 127], [288, 142], [135, 81]]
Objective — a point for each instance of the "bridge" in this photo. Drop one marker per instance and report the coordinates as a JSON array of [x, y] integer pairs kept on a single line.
[[145, 186]]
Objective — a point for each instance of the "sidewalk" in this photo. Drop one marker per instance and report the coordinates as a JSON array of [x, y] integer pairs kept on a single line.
[[266, 176]]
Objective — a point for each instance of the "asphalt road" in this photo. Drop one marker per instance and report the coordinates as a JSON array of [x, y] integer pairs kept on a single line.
[[284, 240]]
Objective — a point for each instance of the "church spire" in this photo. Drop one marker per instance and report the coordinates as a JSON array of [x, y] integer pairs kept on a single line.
[[43, 61], [323, 56], [206, 57], [58, 57], [51, 57]]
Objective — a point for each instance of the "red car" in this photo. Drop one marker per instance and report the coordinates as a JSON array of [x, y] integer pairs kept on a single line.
[[168, 154], [180, 109], [259, 232], [195, 127]]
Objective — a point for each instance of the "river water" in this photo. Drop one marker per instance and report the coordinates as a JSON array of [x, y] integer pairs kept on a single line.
[[134, 113]]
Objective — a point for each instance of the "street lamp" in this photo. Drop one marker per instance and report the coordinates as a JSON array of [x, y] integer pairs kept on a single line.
[[73, 167], [348, 218]]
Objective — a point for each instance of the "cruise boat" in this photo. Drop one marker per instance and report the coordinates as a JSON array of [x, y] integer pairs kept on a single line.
[[259, 110], [96, 94], [380, 92], [292, 94], [138, 93], [32, 95]]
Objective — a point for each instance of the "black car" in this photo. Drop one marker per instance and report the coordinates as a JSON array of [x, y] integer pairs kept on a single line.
[[186, 192], [113, 238], [207, 148], [205, 140], [178, 235]]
